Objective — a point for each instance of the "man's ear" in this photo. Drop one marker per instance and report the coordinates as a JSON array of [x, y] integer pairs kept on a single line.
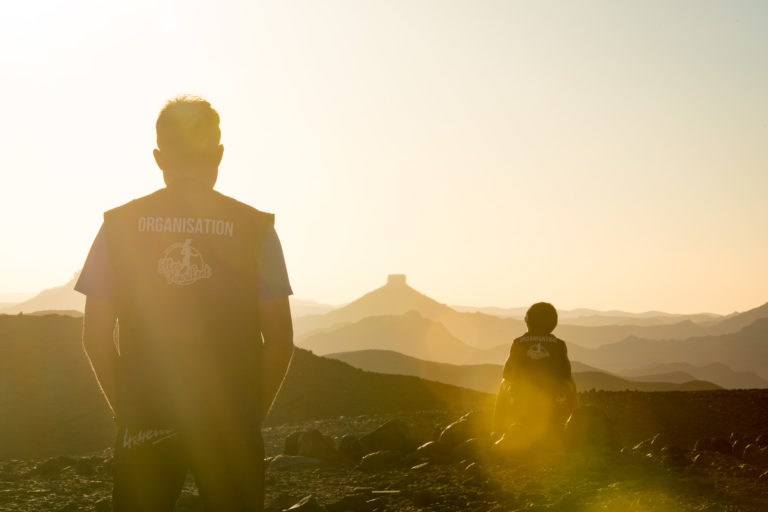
[[158, 158], [219, 154]]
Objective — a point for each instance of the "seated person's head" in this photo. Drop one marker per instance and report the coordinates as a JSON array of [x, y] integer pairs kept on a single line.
[[541, 318]]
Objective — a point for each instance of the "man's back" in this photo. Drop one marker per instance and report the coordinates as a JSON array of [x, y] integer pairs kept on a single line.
[[186, 270]]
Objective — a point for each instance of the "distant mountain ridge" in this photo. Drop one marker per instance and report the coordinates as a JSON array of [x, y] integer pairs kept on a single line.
[[714, 372], [486, 377], [62, 297], [51, 405], [742, 351], [485, 331]]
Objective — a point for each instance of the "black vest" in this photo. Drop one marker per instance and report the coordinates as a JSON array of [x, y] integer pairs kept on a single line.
[[186, 267], [540, 359]]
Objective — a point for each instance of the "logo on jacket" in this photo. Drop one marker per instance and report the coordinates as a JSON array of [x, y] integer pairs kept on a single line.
[[182, 264], [538, 351]]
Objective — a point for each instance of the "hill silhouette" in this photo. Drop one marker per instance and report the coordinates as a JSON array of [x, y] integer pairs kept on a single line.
[[486, 377], [486, 331], [745, 350], [62, 297], [714, 372], [594, 317], [51, 404], [409, 334]]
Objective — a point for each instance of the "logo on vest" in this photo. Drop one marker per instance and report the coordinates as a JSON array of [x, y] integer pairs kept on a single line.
[[182, 264], [538, 351]]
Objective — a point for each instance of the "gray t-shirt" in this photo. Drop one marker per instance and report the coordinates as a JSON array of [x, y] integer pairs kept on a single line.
[[98, 281]]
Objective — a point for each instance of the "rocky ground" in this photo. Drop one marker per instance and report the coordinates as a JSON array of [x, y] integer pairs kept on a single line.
[[429, 461]]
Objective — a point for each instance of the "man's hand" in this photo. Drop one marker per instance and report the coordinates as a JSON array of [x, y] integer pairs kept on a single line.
[[277, 331], [99, 344]]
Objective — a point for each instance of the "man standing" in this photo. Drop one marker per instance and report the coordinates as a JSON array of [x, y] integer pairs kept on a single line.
[[196, 282]]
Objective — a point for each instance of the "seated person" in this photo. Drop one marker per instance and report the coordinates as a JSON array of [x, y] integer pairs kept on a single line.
[[537, 389]]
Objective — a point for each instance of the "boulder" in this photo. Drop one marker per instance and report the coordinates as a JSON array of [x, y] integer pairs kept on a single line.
[[291, 445], [475, 449], [721, 445], [306, 504], [52, 466], [674, 456], [434, 451], [752, 454], [457, 432], [314, 444], [383, 459], [350, 447], [642, 447], [283, 462], [351, 503], [391, 436], [659, 441], [423, 498], [737, 448]]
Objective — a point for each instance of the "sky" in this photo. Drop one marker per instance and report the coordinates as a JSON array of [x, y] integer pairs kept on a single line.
[[597, 154]]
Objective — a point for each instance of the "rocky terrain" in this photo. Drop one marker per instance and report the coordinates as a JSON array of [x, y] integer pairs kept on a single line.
[[674, 451]]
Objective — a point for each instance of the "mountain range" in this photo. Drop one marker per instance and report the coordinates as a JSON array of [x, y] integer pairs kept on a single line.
[[486, 377], [485, 331], [50, 403]]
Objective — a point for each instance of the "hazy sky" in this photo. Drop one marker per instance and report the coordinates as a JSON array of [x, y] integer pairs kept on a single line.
[[601, 154]]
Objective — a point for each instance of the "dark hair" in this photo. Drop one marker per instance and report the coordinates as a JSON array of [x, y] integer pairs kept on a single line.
[[541, 318], [188, 129]]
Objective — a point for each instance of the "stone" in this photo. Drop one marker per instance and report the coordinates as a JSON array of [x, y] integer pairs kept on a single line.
[[457, 432], [423, 498], [434, 451], [737, 448], [350, 503], [674, 456], [314, 444], [383, 459], [53, 465], [589, 427], [349, 446], [642, 447], [391, 436], [307, 504], [86, 465], [281, 502], [283, 462], [291, 445], [752, 454], [659, 441], [103, 505], [703, 444], [474, 449], [721, 445]]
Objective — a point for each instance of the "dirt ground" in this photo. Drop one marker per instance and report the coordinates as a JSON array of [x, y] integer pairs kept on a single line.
[[627, 480]]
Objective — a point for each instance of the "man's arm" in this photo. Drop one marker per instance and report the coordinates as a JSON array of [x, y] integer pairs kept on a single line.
[[99, 344], [277, 331]]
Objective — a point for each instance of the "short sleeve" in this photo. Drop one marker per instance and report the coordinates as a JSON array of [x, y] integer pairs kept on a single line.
[[273, 276], [97, 279]]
